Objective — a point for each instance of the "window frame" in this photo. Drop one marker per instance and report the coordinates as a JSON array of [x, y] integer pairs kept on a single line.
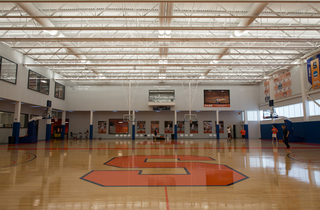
[[64, 90], [40, 77], [26, 120], [16, 74]]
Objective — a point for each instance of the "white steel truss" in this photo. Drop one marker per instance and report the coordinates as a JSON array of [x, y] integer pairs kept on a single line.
[[213, 41]]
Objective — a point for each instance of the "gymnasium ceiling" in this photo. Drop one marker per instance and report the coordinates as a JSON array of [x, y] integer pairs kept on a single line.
[[215, 42]]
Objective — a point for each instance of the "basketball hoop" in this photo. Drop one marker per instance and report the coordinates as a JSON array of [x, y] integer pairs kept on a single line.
[[55, 119], [190, 118], [128, 118]]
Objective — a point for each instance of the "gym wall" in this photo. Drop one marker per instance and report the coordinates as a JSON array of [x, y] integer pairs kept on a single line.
[[79, 122]]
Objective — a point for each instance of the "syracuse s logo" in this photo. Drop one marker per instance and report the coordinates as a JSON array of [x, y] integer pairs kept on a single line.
[[314, 65], [163, 170]]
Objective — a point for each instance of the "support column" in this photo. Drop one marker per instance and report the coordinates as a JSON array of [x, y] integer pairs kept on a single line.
[[16, 122], [245, 126], [63, 124], [305, 102], [175, 125], [133, 125], [217, 124], [48, 127], [91, 125]]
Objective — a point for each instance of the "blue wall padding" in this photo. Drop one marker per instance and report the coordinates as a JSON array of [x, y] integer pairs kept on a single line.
[[175, 132], [16, 132], [32, 134], [48, 132], [63, 131], [301, 131], [246, 128], [311, 132], [133, 132], [218, 132], [91, 131]]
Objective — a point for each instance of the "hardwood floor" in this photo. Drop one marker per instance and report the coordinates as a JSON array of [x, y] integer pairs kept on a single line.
[[189, 174]]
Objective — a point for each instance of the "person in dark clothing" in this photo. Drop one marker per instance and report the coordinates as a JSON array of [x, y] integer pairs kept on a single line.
[[286, 137], [155, 134]]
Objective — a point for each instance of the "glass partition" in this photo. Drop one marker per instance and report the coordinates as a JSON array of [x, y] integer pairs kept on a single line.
[[117, 126], [7, 118]]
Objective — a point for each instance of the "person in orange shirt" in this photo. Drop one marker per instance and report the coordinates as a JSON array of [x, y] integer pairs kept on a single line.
[[274, 133], [243, 133]]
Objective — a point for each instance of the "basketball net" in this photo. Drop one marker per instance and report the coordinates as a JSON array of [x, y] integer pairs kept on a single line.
[[55, 119]]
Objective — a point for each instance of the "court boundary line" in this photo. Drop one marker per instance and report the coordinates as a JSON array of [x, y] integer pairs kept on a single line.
[[22, 162], [302, 161], [167, 198]]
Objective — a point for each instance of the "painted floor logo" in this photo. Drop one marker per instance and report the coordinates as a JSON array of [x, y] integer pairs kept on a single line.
[[164, 170]]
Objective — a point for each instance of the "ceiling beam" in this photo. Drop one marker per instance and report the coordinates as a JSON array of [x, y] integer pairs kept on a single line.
[[147, 59], [158, 78], [199, 70], [186, 39], [156, 1], [171, 47], [156, 17], [124, 53], [181, 28], [170, 71], [146, 64]]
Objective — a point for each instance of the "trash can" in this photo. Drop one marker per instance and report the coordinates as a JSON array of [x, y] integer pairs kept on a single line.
[[172, 136], [11, 140]]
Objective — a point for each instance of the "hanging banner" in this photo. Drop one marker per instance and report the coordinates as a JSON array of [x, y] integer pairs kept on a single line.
[[309, 68], [309, 71], [282, 84], [315, 73]]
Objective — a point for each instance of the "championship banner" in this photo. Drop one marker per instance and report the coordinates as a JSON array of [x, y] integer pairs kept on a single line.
[[282, 84], [315, 73]]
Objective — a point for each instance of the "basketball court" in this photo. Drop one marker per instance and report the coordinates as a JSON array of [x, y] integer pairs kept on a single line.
[[127, 105], [143, 174]]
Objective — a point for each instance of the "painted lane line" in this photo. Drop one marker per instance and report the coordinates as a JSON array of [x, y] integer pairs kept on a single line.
[[167, 199]]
